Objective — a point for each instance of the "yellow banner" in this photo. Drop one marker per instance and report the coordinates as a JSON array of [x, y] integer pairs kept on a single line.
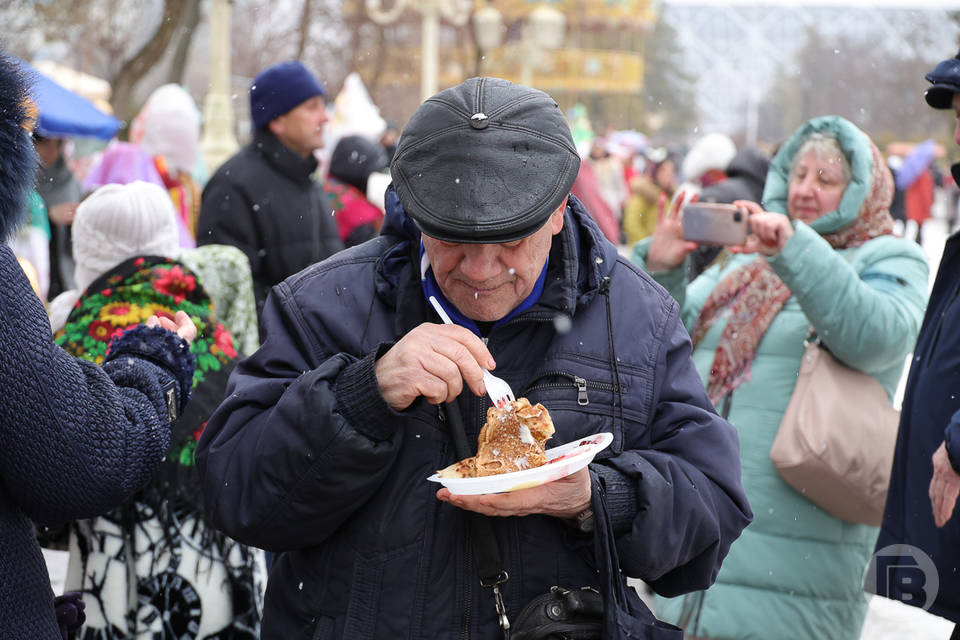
[[580, 11], [592, 70]]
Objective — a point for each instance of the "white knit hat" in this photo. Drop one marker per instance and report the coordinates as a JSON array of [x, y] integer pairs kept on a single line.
[[117, 222]]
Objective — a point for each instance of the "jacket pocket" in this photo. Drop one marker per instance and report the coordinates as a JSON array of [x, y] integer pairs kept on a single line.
[[368, 608], [583, 400], [324, 629]]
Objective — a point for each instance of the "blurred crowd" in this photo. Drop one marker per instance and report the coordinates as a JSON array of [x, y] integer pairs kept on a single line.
[[143, 227]]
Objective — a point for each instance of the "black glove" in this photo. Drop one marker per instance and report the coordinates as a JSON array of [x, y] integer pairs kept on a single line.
[[70, 616]]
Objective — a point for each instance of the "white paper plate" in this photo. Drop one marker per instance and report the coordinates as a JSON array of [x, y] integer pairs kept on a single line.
[[561, 462]]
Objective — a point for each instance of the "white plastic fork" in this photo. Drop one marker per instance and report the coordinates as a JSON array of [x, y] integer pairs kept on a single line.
[[499, 391]]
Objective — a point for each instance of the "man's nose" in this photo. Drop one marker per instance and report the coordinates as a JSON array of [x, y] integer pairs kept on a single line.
[[481, 262]]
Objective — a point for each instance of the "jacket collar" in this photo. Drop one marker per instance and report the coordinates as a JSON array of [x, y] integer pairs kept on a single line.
[[278, 155]]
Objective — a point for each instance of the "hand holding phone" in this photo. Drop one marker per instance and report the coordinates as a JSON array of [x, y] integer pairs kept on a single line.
[[715, 224], [668, 249], [769, 232]]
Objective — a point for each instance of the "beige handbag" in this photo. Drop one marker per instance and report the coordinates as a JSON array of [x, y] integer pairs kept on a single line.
[[836, 440]]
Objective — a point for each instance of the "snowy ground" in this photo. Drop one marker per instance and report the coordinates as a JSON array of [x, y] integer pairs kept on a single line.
[[892, 620]]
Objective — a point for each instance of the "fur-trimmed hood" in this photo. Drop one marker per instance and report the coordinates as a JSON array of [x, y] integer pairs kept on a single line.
[[18, 161]]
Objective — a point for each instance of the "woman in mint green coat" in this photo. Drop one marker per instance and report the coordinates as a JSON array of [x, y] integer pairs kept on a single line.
[[830, 262]]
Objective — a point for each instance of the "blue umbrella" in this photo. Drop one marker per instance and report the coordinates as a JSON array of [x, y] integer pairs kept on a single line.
[[64, 113], [914, 164]]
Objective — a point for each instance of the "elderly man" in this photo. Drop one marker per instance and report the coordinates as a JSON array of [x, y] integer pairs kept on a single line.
[[265, 199], [925, 480], [322, 448]]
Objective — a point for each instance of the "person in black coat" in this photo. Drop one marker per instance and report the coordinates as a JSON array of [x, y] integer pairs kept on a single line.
[[353, 160], [265, 199], [920, 533], [77, 438]]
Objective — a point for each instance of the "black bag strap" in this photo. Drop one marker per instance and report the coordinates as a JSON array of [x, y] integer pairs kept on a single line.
[[486, 552]]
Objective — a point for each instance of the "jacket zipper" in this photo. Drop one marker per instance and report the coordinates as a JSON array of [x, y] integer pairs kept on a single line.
[[467, 589], [467, 618], [582, 385]]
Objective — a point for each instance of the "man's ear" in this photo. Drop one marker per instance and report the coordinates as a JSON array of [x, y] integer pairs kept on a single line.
[[556, 218], [276, 126]]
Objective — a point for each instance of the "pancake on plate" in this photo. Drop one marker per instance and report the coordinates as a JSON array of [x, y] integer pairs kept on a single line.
[[512, 439]]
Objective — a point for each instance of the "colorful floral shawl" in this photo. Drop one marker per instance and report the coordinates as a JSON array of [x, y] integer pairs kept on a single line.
[[129, 294], [751, 296], [167, 549], [125, 297], [224, 271]]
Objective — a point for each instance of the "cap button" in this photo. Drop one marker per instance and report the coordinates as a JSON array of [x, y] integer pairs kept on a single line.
[[479, 120]]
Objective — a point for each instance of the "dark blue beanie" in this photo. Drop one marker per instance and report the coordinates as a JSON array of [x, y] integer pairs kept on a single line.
[[279, 89]]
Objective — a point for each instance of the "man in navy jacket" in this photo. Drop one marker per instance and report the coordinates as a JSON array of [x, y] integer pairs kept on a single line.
[[322, 448], [920, 517]]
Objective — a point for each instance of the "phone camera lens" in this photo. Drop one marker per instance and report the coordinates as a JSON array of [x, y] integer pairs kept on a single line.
[[737, 216]]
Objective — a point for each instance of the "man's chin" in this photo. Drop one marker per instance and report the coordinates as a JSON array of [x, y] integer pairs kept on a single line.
[[478, 311]]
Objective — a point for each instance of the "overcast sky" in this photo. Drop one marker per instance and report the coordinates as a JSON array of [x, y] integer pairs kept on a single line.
[[904, 4]]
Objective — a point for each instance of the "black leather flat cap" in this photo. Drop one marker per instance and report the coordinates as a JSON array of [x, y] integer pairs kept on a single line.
[[946, 81], [486, 161]]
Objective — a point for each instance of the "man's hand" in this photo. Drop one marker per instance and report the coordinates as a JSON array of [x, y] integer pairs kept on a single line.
[[563, 498], [944, 486], [432, 361]]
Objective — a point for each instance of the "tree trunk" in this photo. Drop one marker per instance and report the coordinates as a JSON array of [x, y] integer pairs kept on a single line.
[[304, 29], [125, 80], [191, 20]]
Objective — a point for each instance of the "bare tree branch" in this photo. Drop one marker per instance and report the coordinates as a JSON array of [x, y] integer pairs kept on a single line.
[[125, 80], [304, 31], [191, 20]]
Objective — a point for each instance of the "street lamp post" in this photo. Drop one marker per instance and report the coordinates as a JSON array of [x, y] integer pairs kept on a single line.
[[543, 31], [454, 11], [488, 29], [219, 141]]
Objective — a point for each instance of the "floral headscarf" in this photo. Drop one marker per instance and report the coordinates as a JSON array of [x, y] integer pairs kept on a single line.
[[127, 295]]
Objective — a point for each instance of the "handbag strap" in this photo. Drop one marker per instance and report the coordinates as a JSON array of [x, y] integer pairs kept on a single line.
[[486, 552]]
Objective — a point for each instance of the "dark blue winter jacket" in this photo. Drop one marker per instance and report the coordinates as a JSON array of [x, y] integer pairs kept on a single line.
[[306, 458], [930, 415]]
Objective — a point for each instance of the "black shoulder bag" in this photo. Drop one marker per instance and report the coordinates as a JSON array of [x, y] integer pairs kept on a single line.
[[615, 612]]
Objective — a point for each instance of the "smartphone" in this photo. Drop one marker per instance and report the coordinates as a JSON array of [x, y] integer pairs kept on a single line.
[[714, 223]]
